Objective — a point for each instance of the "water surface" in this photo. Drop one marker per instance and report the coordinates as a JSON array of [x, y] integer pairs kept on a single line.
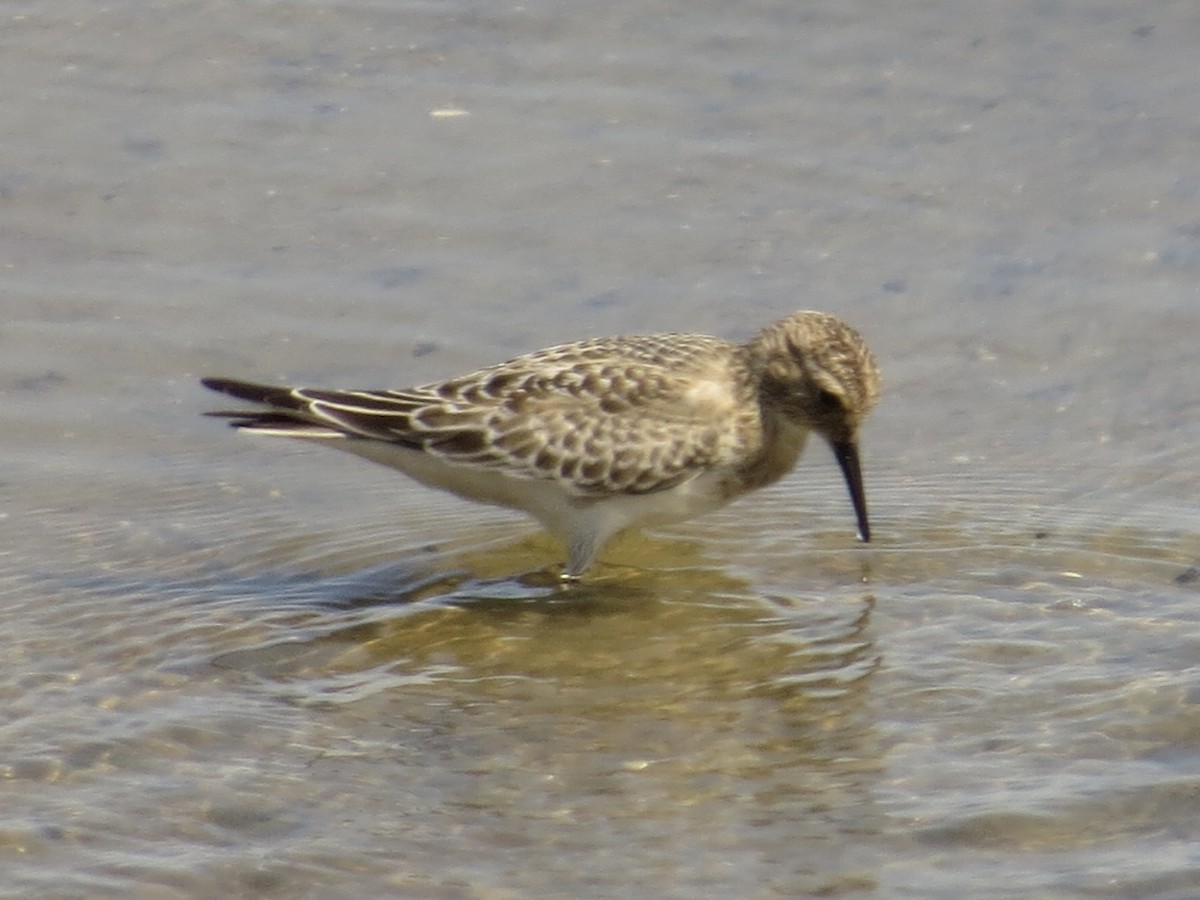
[[243, 668]]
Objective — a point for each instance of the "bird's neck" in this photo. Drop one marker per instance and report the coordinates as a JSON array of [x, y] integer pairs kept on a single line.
[[780, 444]]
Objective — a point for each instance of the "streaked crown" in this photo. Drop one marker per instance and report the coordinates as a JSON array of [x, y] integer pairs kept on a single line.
[[817, 369]]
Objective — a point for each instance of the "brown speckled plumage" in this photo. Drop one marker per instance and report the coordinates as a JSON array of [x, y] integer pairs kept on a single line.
[[605, 434]]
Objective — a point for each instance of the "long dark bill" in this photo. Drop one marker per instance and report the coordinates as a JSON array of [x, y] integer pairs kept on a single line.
[[847, 457]]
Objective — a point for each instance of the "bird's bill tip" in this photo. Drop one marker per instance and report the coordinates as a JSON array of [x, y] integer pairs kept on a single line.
[[847, 457]]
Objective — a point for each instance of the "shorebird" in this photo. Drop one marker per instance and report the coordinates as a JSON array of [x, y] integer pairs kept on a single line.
[[599, 436]]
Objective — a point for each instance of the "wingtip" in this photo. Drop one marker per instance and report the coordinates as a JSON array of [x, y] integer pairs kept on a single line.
[[248, 390], [223, 385]]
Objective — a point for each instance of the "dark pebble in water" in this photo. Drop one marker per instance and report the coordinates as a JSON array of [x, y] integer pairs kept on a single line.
[[396, 276], [1187, 576], [39, 382]]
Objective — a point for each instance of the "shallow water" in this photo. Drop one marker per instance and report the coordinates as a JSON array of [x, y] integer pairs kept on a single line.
[[244, 668]]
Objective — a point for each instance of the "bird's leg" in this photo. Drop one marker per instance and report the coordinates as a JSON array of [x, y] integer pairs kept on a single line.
[[581, 553]]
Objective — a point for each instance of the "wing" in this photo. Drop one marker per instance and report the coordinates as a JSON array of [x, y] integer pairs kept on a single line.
[[633, 415]]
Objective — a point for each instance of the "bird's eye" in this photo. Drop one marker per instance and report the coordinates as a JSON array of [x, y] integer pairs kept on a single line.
[[828, 401]]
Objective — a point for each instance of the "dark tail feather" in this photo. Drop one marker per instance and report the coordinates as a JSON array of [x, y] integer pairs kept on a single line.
[[286, 413], [248, 418]]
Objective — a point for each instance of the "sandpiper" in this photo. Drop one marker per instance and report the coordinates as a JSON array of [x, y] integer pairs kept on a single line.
[[602, 435]]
